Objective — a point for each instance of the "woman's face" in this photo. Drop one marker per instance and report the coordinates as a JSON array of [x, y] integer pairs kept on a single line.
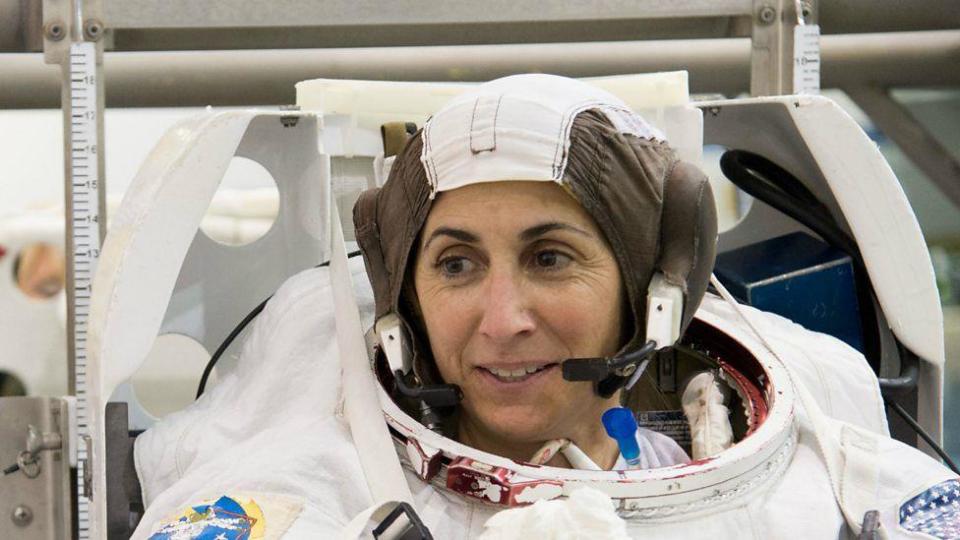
[[513, 278]]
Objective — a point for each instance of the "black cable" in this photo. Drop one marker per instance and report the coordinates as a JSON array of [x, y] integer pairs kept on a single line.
[[754, 174], [899, 387], [923, 434], [226, 343], [236, 332]]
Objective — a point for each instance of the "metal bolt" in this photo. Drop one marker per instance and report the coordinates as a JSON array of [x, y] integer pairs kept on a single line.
[[28, 464], [805, 9], [93, 29], [22, 515], [289, 120], [54, 31], [767, 14]]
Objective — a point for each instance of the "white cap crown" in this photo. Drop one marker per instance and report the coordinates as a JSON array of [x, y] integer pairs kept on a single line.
[[515, 128]]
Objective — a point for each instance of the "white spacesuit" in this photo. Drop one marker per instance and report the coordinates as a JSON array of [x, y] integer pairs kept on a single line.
[[270, 450], [230, 443]]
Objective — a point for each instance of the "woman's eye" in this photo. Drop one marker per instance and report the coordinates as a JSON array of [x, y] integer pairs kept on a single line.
[[455, 266], [551, 260]]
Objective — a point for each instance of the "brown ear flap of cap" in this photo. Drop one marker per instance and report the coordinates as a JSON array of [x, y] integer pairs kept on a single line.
[[368, 237], [688, 235], [387, 222]]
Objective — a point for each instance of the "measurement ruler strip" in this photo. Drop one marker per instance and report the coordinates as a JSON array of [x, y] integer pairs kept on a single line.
[[85, 196], [806, 59]]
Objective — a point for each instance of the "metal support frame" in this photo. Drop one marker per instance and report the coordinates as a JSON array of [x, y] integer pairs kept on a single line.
[[34, 499], [66, 23], [716, 66], [456, 42], [771, 47], [772, 61], [140, 25], [926, 152]]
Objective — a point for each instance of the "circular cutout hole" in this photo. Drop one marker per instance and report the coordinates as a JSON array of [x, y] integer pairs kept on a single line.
[[167, 380], [11, 385], [39, 270], [245, 205], [732, 202]]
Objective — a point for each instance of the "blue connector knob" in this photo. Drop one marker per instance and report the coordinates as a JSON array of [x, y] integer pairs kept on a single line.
[[621, 425]]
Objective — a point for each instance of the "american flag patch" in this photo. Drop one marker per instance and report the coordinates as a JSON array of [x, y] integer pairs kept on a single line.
[[935, 512]]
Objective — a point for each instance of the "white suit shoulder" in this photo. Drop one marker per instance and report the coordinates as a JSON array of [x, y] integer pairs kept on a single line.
[[269, 425]]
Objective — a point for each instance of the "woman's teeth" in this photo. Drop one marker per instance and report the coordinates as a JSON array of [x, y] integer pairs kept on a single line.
[[511, 375]]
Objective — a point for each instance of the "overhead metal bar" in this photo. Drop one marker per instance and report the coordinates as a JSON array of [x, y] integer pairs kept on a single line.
[[246, 13], [148, 25], [923, 149], [186, 24], [142, 25], [21, 25], [153, 79]]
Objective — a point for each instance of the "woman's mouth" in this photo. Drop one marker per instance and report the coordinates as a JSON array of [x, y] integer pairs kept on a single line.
[[517, 374]]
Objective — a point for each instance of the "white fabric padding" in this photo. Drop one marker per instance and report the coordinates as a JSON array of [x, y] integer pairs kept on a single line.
[[703, 401], [272, 426], [834, 372], [587, 513]]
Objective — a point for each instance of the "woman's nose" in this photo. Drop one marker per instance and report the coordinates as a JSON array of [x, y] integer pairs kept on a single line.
[[506, 313]]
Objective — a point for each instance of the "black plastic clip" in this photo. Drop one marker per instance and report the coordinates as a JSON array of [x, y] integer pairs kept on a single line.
[[434, 395], [413, 530], [870, 530]]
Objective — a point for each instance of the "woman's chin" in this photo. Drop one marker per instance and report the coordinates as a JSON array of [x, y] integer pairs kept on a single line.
[[516, 424]]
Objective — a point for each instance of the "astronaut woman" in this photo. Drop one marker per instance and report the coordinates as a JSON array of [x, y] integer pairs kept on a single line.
[[510, 274], [522, 228]]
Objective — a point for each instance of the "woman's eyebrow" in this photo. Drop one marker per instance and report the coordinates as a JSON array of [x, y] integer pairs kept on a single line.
[[457, 234], [539, 230]]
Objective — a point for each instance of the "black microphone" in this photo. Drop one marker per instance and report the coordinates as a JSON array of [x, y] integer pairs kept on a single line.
[[599, 368]]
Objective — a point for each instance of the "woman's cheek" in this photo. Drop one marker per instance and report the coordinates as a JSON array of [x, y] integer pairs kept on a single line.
[[587, 320], [447, 341]]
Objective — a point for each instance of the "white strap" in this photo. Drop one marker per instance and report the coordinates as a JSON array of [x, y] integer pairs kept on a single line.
[[381, 465], [860, 482], [849, 454]]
